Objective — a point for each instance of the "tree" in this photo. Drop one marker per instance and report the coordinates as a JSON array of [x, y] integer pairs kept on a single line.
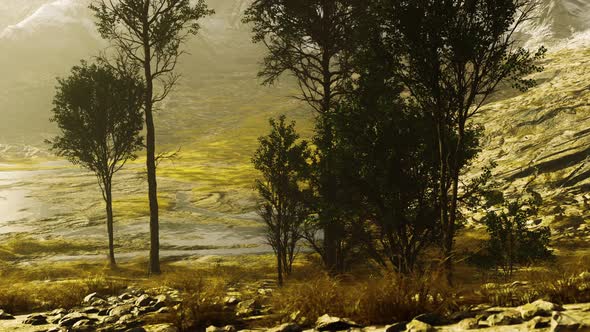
[[512, 242], [310, 40], [99, 113], [282, 160], [150, 33], [453, 57]]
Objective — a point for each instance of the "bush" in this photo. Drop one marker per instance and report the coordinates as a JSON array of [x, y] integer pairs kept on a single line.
[[512, 242]]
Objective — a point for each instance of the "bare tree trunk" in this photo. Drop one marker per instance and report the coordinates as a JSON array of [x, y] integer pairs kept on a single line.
[[154, 262], [110, 231]]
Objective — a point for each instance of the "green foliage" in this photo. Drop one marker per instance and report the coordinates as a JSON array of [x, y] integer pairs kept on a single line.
[[512, 242], [282, 161], [98, 111]]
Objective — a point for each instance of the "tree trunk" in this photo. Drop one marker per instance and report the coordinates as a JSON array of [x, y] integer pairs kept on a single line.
[[280, 264], [154, 262], [109, 207]]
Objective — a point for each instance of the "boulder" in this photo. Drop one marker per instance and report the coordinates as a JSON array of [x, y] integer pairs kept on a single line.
[[125, 296], [247, 308], [83, 326], [397, 327], [161, 328], [5, 316], [538, 308], [468, 324], [418, 326], [121, 310], [330, 323], [91, 297], [143, 301], [36, 319], [561, 322], [72, 318], [89, 310], [502, 318], [538, 323], [287, 327], [227, 328], [429, 318]]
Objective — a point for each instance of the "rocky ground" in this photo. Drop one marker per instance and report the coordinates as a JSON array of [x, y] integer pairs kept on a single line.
[[137, 310]]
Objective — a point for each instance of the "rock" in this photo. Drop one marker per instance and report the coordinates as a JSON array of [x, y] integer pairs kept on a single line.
[[71, 319], [83, 325], [164, 310], [103, 312], [538, 323], [5, 316], [58, 312], [418, 326], [329, 323], [136, 329], [56, 329], [90, 310], [538, 308], [231, 300], [161, 328], [143, 301], [227, 328], [247, 308], [125, 296], [36, 319], [561, 322], [429, 318], [468, 324], [503, 318], [397, 327], [287, 327], [121, 310], [91, 297], [109, 320]]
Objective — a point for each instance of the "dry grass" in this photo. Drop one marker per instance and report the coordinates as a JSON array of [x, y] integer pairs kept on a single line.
[[371, 299]]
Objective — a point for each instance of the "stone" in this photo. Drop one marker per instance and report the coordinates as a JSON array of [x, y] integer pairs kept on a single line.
[[538, 323], [143, 301], [231, 300], [164, 310], [71, 319], [397, 327], [468, 324], [121, 310], [287, 327], [103, 312], [136, 329], [429, 318], [247, 308], [125, 296], [503, 318], [538, 308], [55, 329], [227, 328], [36, 319], [90, 310], [161, 328], [83, 326], [418, 326], [58, 312], [561, 322], [5, 316], [109, 320], [330, 323], [91, 297]]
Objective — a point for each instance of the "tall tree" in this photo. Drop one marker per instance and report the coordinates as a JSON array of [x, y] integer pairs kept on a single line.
[[99, 113], [151, 33], [310, 39], [454, 56], [282, 161]]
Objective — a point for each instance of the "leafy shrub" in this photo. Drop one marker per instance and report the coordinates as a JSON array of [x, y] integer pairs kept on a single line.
[[512, 242]]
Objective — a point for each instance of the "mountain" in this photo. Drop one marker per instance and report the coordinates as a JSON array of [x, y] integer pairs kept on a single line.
[[219, 108]]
